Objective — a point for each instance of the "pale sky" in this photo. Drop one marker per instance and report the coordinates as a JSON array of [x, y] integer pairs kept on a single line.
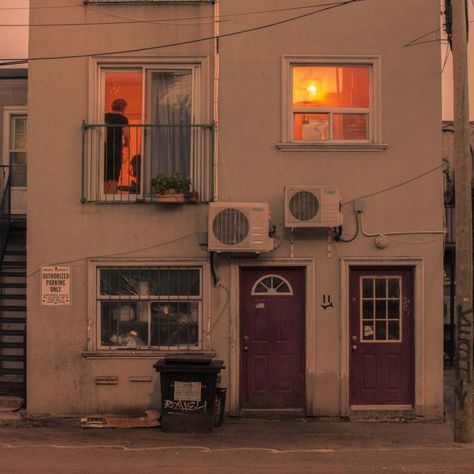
[[14, 44], [14, 40]]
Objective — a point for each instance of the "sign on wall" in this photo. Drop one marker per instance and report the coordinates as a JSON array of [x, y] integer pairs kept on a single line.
[[55, 285]]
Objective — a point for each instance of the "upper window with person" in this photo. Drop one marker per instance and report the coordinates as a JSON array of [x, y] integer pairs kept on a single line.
[[150, 121]]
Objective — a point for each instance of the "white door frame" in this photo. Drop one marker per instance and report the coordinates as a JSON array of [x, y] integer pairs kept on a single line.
[[308, 266], [417, 264], [8, 112]]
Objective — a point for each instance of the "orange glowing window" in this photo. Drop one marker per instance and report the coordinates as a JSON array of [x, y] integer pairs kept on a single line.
[[330, 103]]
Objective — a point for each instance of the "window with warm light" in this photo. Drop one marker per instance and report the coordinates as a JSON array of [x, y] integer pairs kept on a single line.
[[330, 103], [149, 121]]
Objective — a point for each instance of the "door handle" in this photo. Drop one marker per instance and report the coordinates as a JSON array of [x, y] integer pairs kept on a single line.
[[354, 338], [245, 348], [354, 347]]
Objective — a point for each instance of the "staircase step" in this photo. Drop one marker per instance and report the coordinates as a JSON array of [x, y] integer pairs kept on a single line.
[[12, 358], [20, 253], [11, 296], [4, 308], [12, 320], [10, 264], [12, 332], [12, 274], [5, 371], [13, 285], [12, 345]]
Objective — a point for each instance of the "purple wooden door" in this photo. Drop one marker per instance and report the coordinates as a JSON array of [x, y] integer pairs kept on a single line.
[[272, 338], [381, 336]]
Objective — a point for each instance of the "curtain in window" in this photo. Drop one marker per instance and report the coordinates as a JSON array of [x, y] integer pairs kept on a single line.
[[171, 105]]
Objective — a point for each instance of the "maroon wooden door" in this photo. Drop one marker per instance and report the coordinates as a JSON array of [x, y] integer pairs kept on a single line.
[[381, 336], [272, 338]]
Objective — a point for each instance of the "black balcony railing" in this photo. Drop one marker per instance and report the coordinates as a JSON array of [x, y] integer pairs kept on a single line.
[[5, 211], [118, 162]]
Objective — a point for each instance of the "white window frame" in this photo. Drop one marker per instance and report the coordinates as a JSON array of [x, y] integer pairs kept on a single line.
[[8, 113], [198, 65], [374, 141], [94, 319]]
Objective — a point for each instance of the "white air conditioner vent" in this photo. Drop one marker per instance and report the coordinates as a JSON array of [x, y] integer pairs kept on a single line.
[[304, 206], [239, 227], [230, 226], [312, 206]]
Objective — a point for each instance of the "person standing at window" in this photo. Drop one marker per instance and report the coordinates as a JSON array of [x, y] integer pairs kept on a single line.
[[118, 138]]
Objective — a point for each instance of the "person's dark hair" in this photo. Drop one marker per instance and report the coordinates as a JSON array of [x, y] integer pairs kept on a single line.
[[119, 105]]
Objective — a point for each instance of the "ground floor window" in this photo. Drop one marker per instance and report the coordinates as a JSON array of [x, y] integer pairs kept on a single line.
[[155, 307]]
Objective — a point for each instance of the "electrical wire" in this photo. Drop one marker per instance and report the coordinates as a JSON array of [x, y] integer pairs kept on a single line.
[[117, 254], [132, 20], [412, 232], [446, 57], [12, 61], [393, 186], [338, 235], [414, 42]]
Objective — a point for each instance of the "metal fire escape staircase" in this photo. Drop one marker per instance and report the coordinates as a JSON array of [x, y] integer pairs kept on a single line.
[[12, 298]]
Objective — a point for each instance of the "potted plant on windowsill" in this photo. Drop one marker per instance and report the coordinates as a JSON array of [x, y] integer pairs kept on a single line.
[[173, 188]]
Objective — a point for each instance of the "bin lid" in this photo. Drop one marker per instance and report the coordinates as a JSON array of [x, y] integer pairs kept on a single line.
[[181, 361], [193, 359]]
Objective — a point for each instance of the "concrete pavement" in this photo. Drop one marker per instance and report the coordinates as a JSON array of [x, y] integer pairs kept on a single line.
[[241, 445]]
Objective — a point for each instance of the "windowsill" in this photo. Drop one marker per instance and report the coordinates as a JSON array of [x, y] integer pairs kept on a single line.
[[331, 146], [139, 354]]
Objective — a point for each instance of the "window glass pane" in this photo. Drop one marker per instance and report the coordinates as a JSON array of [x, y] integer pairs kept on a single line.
[[380, 288], [123, 98], [380, 330], [122, 325], [18, 135], [173, 282], [367, 287], [350, 126], [282, 287], [393, 309], [368, 309], [393, 330], [380, 312], [119, 281], [331, 86], [174, 323], [171, 104], [311, 127], [393, 288], [18, 168]]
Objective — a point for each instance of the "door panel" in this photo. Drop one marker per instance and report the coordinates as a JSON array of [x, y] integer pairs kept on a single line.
[[381, 336], [272, 338]]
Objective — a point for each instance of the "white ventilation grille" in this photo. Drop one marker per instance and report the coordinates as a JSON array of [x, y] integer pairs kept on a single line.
[[304, 205], [230, 226]]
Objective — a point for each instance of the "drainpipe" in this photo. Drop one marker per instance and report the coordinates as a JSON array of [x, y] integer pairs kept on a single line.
[[215, 112]]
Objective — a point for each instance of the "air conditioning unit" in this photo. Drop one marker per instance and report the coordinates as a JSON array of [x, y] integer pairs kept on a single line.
[[239, 227], [312, 206]]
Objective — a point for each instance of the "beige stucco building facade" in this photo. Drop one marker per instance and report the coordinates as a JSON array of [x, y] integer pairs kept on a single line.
[[336, 310]]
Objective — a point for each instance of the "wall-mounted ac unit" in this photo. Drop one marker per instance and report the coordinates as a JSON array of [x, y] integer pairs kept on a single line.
[[239, 227], [312, 206]]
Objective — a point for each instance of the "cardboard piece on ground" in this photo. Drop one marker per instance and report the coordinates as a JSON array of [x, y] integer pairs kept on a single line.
[[150, 420]]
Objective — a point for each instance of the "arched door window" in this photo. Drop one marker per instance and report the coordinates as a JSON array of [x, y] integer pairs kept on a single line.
[[273, 285]]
